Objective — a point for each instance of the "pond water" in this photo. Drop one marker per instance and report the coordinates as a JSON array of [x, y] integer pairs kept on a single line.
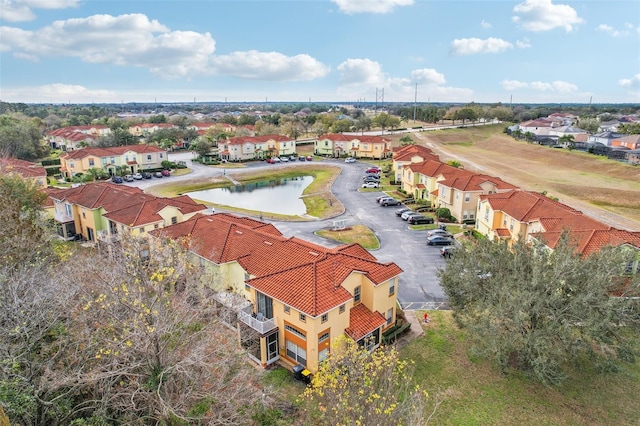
[[280, 196]]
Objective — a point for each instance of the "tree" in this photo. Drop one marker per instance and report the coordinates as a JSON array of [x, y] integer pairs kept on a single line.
[[202, 147], [537, 310], [406, 140], [363, 123], [135, 339], [21, 138], [385, 121], [341, 126], [466, 113], [590, 124], [357, 387], [567, 141], [629, 128]]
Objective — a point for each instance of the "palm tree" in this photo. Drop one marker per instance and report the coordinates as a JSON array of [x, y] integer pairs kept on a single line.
[[567, 141]]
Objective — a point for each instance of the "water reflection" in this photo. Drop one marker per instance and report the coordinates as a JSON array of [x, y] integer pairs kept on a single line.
[[280, 196]]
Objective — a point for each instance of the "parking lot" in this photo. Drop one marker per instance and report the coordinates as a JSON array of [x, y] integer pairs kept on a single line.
[[418, 288]]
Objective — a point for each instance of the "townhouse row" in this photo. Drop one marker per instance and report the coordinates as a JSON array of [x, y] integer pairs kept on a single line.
[[502, 211]]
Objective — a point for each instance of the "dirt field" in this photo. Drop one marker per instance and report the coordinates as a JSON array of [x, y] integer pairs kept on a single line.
[[604, 189]]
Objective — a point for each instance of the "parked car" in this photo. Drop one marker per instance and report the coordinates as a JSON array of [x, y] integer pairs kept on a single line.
[[128, 178], [434, 232], [158, 174], [302, 158], [370, 179], [309, 158], [402, 210], [439, 240], [447, 251], [292, 158], [147, 175], [370, 185], [284, 159], [380, 197], [137, 176], [405, 215], [389, 202], [166, 173], [349, 160], [276, 159], [373, 170], [117, 179], [420, 220]]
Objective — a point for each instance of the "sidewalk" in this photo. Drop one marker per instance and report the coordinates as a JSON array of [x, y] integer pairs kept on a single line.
[[415, 331]]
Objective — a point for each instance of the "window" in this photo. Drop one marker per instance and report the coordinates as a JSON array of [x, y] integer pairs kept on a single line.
[[342, 308], [511, 225], [148, 158], [295, 331], [67, 208], [287, 309], [457, 195], [323, 337], [174, 220], [465, 214], [389, 316], [392, 288], [91, 162], [356, 294], [112, 160], [296, 353], [161, 155], [486, 213], [264, 305], [156, 226], [326, 143], [104, 161], [323, 354], [324, 317], [71, 164], [303, 317], [467, 197], [83, 215], [472, 214], [246, 287]]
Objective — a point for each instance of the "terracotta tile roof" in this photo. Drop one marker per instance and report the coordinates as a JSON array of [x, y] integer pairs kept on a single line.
[[148, 210], [592, 240], [102, 195], [239, 140], [299, 273], [526, 206], [503, 232], [362, 322], [406, 153], [472, 182], [25, 169]]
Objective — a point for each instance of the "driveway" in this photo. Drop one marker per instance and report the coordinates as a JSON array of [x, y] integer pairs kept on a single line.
[[418, 287]]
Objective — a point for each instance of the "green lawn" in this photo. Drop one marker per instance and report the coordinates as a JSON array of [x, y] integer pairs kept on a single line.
[[474, 392]]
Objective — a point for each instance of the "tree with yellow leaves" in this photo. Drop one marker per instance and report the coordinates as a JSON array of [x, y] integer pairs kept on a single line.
[[357, 387]]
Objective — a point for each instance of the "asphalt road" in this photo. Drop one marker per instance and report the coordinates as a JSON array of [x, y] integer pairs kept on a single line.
[[418, 287]]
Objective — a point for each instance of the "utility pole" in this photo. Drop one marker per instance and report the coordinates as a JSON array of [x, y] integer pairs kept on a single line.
[[415, 104]]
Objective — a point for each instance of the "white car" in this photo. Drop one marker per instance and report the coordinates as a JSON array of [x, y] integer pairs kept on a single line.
[[349, 160], [441, 232], [276, 159], [370, 185], [284, 159], [137, 176]]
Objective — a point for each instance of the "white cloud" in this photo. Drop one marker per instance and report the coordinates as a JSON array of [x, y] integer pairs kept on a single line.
[[484, 24], [271, 66], [60, 93], [22, 10], [543, 15], [472, 46], [630, 82], [513, 84], [607, 29], [523, 44], [370, 6], [136, 41], [361, 72], [358, 76], [427, 76]]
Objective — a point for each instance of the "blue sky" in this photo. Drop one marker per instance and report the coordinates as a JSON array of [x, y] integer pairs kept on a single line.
[[96, 51]]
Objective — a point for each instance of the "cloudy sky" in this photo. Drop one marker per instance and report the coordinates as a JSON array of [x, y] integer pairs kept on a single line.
[[83, 51]]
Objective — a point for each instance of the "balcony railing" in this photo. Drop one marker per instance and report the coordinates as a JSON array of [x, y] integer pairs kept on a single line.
[[262, 325]]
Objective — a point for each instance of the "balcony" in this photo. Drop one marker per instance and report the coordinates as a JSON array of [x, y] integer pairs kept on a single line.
[[261, 325]]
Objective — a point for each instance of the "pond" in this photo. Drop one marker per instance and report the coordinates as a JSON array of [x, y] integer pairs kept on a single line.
[[279, 196]]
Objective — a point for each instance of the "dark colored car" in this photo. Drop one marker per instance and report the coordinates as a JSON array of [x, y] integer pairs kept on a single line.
[[302, 158], [420, 220], [147, 175], [439, 240], [370, 179], [166, 173], [402, 210], [117, 179], [389, 202]]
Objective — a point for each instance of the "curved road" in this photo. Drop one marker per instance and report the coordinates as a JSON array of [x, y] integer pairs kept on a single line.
[[418, 287]]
